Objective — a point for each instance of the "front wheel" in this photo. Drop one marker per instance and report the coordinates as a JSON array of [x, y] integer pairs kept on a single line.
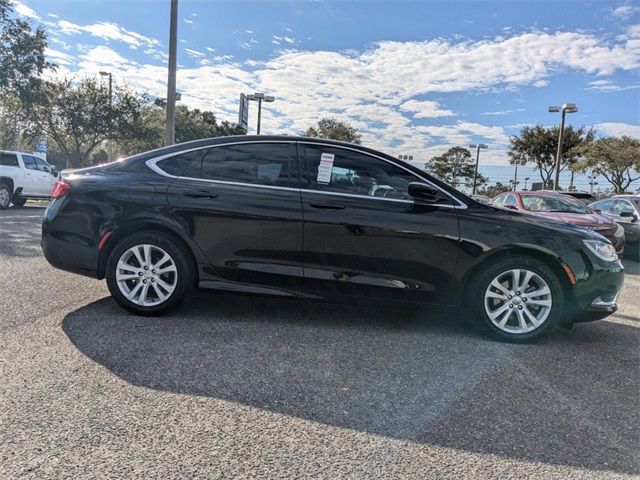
[[517, 299], [149, 273]]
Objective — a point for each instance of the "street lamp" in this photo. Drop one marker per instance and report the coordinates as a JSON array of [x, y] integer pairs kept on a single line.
[[516, 162], [475, 173], [566, 108], [260, 97], [526, 179], [170, 133], [110, 145]]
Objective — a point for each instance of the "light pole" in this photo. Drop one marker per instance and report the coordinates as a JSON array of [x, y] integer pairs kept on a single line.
[[526, 179], [260, 97], [566, 108], [516, 162], [592, 182], [475, 172], [170, 133], [110, 145]]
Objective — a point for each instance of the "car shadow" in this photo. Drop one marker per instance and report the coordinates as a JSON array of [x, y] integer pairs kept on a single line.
[[400, 373]]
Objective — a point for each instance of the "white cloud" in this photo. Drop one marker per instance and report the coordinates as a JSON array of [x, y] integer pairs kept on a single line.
[[58, 57], [106, 31], [289, 40], [619, 129], [24, 10], [249, 31], [194, 53], [425, 109], [503, 112], [186, 20], [52, 15], [625, 11]]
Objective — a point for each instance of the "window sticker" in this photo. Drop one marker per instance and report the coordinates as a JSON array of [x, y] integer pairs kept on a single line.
[[325, 168]]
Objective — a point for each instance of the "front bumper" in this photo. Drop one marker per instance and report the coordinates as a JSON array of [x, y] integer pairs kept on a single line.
[[595, 294]]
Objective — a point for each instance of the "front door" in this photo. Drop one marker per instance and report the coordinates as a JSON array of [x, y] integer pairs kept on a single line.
[[364, 235], [241, 204]]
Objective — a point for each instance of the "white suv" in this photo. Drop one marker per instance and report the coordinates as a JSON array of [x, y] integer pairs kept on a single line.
[[24, 176]]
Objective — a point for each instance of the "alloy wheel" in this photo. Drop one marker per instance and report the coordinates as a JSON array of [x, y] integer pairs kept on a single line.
[[518, 301], [5, 197], [146, 275]]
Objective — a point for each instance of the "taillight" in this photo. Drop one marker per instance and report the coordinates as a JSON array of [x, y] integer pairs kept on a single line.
[[60, 189]]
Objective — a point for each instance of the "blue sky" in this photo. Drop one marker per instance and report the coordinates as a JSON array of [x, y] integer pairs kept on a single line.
[[414, 77]]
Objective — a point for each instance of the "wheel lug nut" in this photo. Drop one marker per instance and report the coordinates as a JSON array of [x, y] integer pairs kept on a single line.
[[510, 297], [144, 281], [517, 293], [519, 307], [511, 305], [146, 268], [153, 280], [139, 274], [153, 271]]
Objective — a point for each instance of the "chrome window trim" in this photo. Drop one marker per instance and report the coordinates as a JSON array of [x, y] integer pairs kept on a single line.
[[152, 164]]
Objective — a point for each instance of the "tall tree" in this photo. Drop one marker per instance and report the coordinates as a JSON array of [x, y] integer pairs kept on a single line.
[[538, 145], [455, 167], [494, 190], [616, 159], [334, 129], [79, 116], [22, 57], [191, 124]]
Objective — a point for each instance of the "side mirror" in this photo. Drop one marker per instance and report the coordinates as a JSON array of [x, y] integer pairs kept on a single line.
[[424, 193], [53, 171], [628, 214], [597, 210]]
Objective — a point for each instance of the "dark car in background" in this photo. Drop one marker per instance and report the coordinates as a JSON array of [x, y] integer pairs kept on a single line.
[[314, 218], [563, 208], [625, 210]]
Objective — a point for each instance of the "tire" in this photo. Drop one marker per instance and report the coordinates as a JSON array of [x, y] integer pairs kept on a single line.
[[19, 201], [5, 196], [123, 281], [502, 311]]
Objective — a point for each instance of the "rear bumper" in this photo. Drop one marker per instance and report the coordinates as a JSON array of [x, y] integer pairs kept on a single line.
[[70, 256]]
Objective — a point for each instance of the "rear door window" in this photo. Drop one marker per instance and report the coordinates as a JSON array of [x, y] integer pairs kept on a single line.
[[269, 164], [622, 206], [604, 206]]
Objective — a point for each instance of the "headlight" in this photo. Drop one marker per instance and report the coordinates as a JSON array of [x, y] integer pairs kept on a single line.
[[603, 250]]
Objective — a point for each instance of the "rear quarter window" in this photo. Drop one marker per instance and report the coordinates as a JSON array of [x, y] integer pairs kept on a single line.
[[8, 160], [183, 164]]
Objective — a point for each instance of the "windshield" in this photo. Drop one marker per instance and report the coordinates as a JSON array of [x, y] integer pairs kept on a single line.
[[543, 203]]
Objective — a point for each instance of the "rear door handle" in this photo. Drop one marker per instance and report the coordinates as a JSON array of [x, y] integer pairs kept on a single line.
[[200, 194], [327, 206]]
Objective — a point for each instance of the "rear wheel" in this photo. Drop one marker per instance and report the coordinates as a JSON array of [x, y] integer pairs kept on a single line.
[[517, 299], [5, 196], [149, 273]]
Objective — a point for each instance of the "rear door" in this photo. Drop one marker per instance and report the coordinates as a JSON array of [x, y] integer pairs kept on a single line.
[[45, 178], [241, 204], [31, 182], [363, 234]]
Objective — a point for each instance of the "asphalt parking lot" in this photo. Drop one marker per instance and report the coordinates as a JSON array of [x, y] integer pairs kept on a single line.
[[250, 387]]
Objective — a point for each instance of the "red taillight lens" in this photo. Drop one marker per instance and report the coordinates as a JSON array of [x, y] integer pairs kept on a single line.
[[60, 189]]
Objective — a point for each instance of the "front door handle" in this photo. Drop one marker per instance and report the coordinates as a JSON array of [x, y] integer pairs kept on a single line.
[[327, 206], [200, 194]]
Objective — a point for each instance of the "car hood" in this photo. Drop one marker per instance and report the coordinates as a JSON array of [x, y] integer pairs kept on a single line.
[[588, 220], [543, 222]]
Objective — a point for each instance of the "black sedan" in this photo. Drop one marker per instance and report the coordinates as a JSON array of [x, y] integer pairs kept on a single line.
[[314, 218]]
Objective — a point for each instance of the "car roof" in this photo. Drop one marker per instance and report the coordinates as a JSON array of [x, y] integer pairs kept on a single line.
[[550, 193]]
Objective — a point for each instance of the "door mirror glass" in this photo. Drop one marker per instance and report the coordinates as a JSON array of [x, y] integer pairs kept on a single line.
[[423, 192]]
